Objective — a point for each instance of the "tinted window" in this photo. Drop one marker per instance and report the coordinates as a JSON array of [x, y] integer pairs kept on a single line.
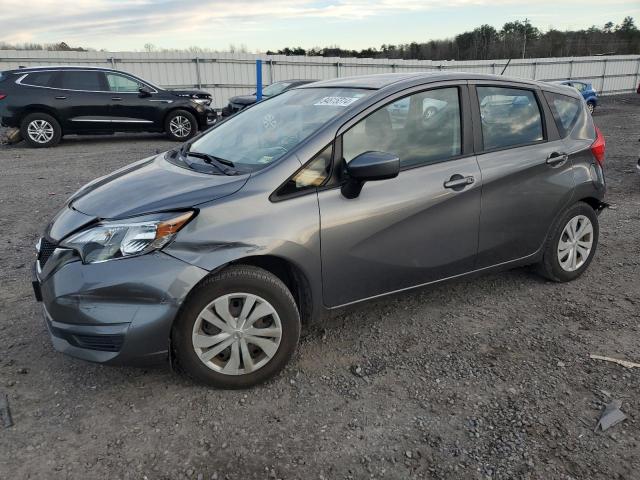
[[420, 129], [566, 111], [312, 175], [90, 81], [39, 79], [120, 83], [510, 117]]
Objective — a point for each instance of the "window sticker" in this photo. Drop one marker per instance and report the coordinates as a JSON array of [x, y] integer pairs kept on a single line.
[[335, 101]]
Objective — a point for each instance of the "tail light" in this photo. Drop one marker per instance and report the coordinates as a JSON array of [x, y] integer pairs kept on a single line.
[[598, 147]]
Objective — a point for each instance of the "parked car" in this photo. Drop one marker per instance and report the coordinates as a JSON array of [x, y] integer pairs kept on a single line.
[[243, 101], [586, 89], [46, 103], [222, 268]]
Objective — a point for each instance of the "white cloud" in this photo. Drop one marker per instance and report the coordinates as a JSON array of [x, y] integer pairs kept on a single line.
[[95, 22]]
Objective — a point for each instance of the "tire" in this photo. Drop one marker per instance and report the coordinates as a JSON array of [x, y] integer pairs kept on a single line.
[[40, 130], [557, 263], [180, 125], [194, 337], [591, 106]]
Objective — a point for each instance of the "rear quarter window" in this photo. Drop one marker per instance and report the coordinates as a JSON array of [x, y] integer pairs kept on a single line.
[[566, 111]]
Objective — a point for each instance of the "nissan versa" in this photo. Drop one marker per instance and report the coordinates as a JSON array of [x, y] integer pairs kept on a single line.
[[214, 253]]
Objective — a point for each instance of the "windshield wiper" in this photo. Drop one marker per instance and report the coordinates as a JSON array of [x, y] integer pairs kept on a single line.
[[221, 164], [211, 158]]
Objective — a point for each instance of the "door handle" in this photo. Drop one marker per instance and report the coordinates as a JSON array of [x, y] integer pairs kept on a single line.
[[116, 98], [556, 158], [458, 182], [61, 98]]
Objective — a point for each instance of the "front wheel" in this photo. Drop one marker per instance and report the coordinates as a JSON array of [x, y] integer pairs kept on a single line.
[[180, 125], [571, 245], [239, 328], [591, 106]]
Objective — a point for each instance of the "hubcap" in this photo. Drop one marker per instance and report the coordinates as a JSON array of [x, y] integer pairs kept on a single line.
[[575, 243], [40, 131], [180, 126], [590, 107], [237, 334]]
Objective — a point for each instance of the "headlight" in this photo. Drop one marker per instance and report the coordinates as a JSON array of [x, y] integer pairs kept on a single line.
[[126, 238], [204, 101]]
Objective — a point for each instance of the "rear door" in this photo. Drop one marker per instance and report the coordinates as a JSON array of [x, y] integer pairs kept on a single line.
[[84, 100], [526, 173], [130, 109], [413, 229]]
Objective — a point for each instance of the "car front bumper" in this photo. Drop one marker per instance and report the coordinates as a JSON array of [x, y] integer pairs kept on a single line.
[[116, 312]]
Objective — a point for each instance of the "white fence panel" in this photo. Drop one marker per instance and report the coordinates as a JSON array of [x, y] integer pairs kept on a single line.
[[228, 74]]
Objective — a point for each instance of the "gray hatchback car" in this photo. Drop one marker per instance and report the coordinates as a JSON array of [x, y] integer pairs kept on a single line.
[[330, 194]]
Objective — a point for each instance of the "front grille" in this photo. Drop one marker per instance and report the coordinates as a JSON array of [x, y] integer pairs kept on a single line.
[[46, 250], [104, 343]]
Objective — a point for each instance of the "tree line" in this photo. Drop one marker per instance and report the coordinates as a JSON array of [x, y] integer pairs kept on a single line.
[[514, 40]]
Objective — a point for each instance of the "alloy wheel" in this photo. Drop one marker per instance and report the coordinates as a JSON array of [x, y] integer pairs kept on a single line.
[[575, 244], [40, 131], [237, 334], [180, 126]]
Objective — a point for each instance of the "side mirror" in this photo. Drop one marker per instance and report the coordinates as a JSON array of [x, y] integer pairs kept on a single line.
[[369, 166], [144, 92]]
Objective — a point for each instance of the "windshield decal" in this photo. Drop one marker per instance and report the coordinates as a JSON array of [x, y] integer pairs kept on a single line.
[[336, 101]]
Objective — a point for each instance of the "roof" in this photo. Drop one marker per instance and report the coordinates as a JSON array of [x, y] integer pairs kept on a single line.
[[57, 67], [400, 81]]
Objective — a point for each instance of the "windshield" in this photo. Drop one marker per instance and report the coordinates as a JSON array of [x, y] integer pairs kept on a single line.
[[274, 89], [265, 132]]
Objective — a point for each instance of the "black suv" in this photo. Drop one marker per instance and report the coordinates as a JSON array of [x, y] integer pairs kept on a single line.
[[49, 102]]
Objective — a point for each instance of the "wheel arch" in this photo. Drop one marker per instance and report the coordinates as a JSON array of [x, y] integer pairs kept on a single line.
[[175, 108], [288, 272], [38, 108]]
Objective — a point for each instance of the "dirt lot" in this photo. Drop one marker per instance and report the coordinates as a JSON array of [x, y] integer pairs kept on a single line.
[[484, 378]]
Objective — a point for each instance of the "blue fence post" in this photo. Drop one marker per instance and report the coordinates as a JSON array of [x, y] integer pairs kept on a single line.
[[258, 80]]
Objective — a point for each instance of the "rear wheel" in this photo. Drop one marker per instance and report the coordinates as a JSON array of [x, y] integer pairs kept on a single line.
[[40, 130], [238, 329], [591, 106], [180, 125], [572, 244]]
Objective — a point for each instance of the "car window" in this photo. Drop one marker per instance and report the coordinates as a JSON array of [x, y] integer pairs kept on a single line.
[[120, 83], [274, 89], [39, 79], [510, 117], [566, 111], [579, 86], [420, 129], [83, 80], [311, 176], [269, 130]]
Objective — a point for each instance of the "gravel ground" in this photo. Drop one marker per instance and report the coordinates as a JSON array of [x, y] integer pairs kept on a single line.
[[483, 378]]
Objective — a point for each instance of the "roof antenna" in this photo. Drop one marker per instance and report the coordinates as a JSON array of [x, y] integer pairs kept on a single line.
[[505, 67]]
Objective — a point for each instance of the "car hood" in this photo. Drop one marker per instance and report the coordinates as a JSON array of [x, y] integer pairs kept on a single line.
[[243, 99], [191, 93], [151, 185]]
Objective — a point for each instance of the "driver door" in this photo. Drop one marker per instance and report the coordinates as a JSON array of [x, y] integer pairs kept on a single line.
[[130, 110], [419, 227]]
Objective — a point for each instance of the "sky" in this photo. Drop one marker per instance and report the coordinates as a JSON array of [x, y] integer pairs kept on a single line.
[[125, 25]]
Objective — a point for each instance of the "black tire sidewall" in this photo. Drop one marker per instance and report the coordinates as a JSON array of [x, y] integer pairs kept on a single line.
[[253, 280], [183, 113], [57, 129], [551, 261]]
